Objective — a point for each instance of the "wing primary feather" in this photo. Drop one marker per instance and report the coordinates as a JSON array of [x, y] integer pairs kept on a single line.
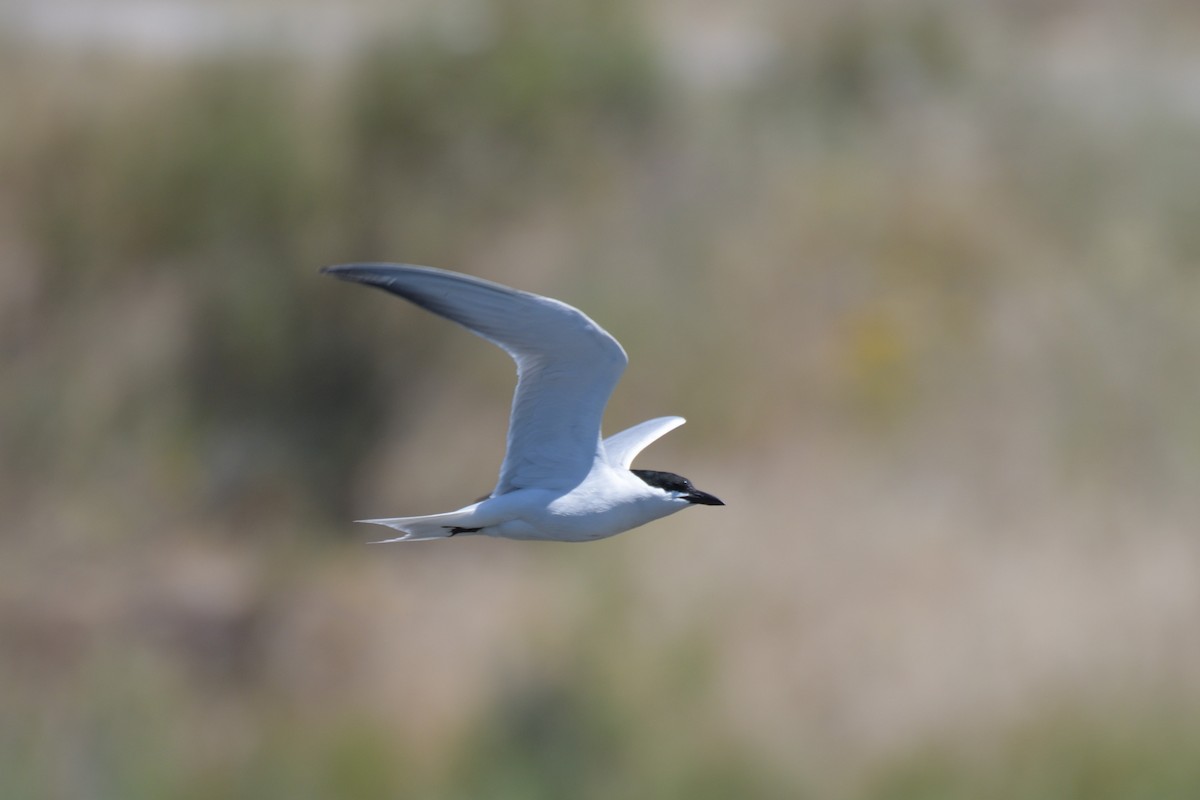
[[567, 365]]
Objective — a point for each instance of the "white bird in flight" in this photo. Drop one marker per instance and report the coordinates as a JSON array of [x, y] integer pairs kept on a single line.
[[560, 479]]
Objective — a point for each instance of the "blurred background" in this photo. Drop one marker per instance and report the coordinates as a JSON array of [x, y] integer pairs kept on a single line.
[[924, 275]]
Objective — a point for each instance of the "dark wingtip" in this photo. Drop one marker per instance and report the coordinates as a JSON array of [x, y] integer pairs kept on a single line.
[[372, 274]]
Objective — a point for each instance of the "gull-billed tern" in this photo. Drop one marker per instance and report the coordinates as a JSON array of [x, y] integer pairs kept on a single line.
[[560, 480]]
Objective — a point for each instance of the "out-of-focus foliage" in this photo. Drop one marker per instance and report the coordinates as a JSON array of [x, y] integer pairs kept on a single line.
[[921, 275]]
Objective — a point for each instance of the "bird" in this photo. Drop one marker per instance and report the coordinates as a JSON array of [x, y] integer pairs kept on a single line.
[[560, 479]]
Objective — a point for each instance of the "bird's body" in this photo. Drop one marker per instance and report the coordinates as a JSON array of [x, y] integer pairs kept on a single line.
[[560, 480], [604, 504]]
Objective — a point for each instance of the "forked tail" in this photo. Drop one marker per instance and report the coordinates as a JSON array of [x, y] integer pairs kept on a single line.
[[435, 526]]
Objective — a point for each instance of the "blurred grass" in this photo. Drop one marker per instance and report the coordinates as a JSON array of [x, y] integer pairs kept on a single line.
[[922, 277], [1062, 755]]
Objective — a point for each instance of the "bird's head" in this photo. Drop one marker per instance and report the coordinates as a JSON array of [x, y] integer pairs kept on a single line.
[[676, 487]]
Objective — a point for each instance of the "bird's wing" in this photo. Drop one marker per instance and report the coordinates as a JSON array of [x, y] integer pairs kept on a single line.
[[567, 366], [621, 448]]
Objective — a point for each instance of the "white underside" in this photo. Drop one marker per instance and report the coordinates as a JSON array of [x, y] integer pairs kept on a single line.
[[609, 501]]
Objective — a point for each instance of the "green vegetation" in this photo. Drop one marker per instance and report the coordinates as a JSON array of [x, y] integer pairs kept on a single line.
[[1117, 757], [921, 276]]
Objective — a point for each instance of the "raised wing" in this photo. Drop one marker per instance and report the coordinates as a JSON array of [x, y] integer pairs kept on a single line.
[[621, 448], [567, 366]]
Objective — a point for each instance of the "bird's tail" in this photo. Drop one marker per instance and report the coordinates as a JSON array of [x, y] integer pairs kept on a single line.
[[434, 526]]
